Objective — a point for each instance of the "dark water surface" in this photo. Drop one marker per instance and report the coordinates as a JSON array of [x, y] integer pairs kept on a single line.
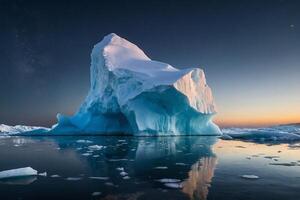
[[149, 168]]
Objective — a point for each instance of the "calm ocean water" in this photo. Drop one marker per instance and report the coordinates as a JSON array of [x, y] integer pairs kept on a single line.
[[149, 168]]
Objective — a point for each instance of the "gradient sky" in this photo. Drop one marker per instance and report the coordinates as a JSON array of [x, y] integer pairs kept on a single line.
[[249, 50]]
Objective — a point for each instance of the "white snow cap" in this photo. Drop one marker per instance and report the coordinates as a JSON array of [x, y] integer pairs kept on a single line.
[[120, 54]]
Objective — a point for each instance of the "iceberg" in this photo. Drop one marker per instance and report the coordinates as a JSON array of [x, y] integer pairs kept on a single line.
[[130, 94], [20, 172]]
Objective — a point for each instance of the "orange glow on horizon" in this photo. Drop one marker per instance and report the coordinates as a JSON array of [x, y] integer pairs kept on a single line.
[[255, 121]]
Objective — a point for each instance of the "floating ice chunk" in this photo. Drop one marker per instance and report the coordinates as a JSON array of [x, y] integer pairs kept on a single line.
[[25, 171], [181, 164], [123, 173], [161, 167], [169, 180], [291, 164], [120, 168], [173, 185], [55, 176], [86, 154], [96, 193], [95, 147], [95, 156], [116, 160], [84, 141], [126, 177], [109, 184], [250, 176], [43, 174], [271, 157], [73, 178], [99, 178]]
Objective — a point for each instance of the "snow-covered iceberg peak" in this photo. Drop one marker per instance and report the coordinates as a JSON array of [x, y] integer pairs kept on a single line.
[[132, 94]]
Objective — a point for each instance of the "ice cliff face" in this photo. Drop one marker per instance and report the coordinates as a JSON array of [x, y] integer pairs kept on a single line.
[[132, 94]]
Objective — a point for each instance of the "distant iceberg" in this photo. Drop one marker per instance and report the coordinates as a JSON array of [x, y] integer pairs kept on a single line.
[[281, 133], [11, 130]]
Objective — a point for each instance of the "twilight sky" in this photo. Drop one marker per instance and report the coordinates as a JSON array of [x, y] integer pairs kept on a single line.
[[249, 50]]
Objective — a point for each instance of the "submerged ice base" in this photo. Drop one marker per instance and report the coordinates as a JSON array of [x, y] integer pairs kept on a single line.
[[132, 94]]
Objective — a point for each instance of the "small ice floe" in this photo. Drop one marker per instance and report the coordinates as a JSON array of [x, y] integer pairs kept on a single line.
[[271, 157], [250, 177], [95, 147], [173, 185], [120, 168], [19, 172], [95, 156], [180, 164], [126, 177], [121, 140], [84, 141], [109, 184], [79, 148], [86, 154], [96, 193], [55, 176], [116, 160], [161, 167], [168, 180], [43, 174], [123, 173], [99, 178], [73, 178], [291, 164]]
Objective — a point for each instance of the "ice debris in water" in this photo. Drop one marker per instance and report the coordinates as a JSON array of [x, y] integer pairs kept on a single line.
[[25, 171], [95, 147], [168, 180], [173, 185], [290, 164], [73, 178], [123, 173], [126, 177], [181, 164], [250, 177], [43, 174], [120, 168], [161, 167], [84, 141], [99, 177], [86, 154], [55, 176], [96, 193]]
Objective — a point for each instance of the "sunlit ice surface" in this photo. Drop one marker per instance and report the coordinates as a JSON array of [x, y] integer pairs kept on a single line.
[[194, 167]]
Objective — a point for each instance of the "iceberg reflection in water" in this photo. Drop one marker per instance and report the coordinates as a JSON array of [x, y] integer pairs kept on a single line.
[[144, 160]]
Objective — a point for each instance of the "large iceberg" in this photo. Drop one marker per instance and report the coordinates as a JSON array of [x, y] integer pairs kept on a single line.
[[132, 94]]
